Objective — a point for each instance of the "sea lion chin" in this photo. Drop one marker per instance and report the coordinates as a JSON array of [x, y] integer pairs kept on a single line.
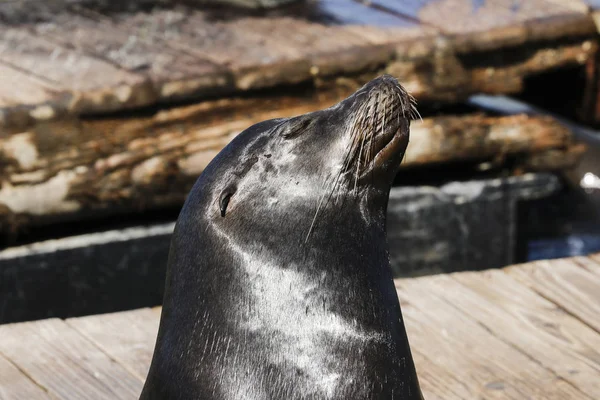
[[279, 284]]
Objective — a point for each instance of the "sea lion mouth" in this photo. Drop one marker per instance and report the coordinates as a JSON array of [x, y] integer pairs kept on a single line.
[[380, 127]]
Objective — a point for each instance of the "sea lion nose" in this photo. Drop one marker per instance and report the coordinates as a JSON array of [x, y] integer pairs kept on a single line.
[[385, 82]]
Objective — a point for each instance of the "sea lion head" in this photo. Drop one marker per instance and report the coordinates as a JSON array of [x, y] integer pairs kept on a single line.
[[312, 162]]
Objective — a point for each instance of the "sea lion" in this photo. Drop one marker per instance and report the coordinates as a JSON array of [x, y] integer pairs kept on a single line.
[[279, 284]]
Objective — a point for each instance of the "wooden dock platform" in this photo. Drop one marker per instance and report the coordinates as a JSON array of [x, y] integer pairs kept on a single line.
[[529, 331]]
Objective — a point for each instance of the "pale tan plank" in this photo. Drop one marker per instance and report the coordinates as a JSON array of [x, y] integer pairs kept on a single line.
[[463, 16], [591, 262], [92, 84], [20, 88], [68, 365], [486, 365], [136, 53], [535, 326], [65, 67], [15, 385], [577, 290], [438, 382], [127, 337]]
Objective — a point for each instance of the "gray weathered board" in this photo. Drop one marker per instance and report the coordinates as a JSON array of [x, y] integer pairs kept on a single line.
[[458, 226], [76, 56], [525, 332]]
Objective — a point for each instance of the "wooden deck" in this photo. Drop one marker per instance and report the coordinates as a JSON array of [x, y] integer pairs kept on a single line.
[[525, 332]]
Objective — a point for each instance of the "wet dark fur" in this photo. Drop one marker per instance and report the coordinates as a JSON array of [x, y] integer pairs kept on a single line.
[[279, 284]]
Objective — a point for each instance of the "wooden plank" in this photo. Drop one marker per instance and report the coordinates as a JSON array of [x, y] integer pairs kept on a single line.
[[135, 53], [477, 25], [339, 48], [174, 73], [127, 337], [591, 262], [89, 164], [15, 385], [18, 88], [487, 366], [256, 60], [264, 51], [523, 319], [438, 382], [94, 84], [570, 286], [68, 365], [67, 68]]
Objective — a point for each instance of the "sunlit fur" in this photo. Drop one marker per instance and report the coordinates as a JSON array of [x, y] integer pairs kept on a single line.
[[279, 284]]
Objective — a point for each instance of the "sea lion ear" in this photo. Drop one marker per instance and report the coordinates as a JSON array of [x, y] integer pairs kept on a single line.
[[224, 199], [295, 127]]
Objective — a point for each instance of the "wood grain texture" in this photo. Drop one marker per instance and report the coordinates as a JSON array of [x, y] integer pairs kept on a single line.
[[566, 284], [535, 326], [127, 337], [479, 25], [152, 162], [591, 263], [107, 61], [89, 82], [67, 68], [437, 382], [18, 88], [143, 54], [15, 385], [487, 366], [68, 365]]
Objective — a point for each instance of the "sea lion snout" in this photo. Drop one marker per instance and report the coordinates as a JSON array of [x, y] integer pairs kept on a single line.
[[380, 125]]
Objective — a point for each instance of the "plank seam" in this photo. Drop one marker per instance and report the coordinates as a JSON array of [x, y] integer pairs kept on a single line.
[[101, 348], [31, 378], [98, 348], [43, 79], [85, 370], [505, 341], [558, 305], [592, 259]]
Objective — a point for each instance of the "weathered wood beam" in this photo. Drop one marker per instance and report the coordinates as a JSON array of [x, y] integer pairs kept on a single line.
[[71, 168]]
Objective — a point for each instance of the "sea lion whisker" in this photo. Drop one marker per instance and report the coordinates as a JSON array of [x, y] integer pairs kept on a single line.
[[413, 108], [362, 143], [334, 181]]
